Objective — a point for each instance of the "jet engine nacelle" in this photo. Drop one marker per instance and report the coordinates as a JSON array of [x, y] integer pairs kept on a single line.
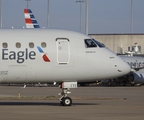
[[136, 77]]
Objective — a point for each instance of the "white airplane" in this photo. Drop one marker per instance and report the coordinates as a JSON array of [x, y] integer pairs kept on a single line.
[[137, 64], [56, 56], [28, 13], [133, 77], [30, 20]]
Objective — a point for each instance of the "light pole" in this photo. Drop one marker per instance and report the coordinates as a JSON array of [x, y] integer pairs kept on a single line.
[[131, 26], [27, 2], [86, 18], [0, 13], [48, 14], [80, 1]]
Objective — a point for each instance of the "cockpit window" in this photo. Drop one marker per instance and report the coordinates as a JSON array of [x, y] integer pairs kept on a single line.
[[90, 43], [98, 43]]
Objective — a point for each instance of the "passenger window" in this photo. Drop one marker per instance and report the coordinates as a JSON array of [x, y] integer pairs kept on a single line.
[[18, 45], [43, 45], [5, 45], [31, 45], [89, 43]]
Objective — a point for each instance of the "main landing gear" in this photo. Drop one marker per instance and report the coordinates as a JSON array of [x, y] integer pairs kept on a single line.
[[64, 99]]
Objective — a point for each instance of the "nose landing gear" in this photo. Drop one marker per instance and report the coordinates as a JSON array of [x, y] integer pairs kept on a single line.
[[64, 99]]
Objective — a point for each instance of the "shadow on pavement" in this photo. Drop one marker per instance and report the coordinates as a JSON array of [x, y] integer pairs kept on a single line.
[[40, 103]]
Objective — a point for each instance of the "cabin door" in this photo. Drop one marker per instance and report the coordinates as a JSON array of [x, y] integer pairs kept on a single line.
[[63, 50]]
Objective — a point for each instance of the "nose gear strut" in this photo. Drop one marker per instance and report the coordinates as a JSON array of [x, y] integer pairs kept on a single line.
[[64, 99]]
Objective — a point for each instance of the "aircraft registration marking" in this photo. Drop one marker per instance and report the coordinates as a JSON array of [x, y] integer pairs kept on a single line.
[[3, 72]]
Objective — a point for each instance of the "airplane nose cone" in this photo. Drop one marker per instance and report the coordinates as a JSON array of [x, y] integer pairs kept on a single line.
[[125, 68], [122, 67]]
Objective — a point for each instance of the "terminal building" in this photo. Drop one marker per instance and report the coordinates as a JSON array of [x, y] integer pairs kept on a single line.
[[122, 43]]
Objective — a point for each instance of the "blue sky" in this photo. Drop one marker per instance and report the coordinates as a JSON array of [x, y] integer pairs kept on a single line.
[[105, 16]]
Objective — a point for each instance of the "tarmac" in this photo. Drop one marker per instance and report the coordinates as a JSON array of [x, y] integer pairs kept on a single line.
[[89, 103]]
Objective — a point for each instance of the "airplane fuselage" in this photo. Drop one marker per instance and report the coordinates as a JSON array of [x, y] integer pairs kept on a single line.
[[30, 56]]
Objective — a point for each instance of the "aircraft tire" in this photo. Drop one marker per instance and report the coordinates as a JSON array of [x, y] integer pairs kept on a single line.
[[66, 101], [61, 102]]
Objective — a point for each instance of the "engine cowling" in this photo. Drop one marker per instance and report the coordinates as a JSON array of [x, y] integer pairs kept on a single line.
[[136, 77]]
